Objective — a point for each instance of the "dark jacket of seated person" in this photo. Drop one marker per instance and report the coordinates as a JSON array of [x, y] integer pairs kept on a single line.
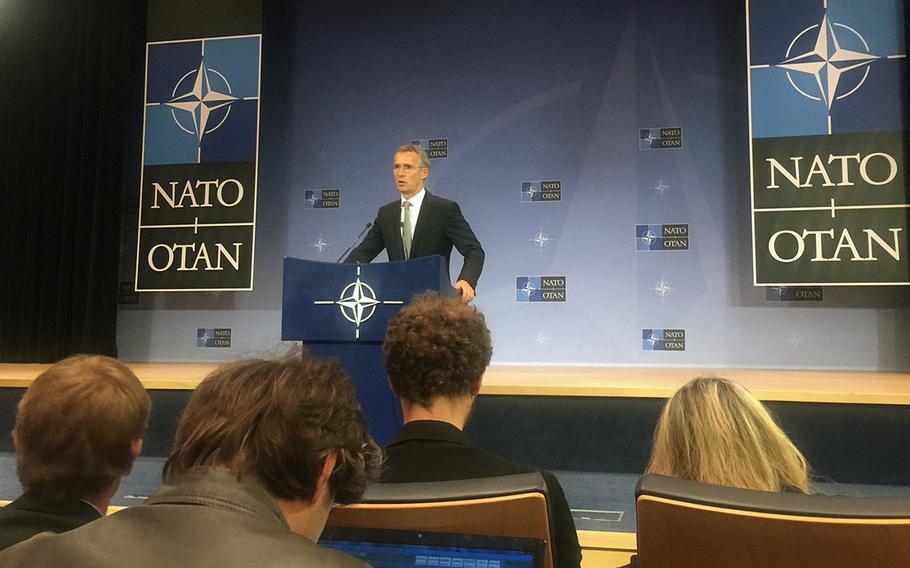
[[31, 514], [430, 450]]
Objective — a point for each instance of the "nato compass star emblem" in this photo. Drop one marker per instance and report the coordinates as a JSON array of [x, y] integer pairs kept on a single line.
[[357, 303], [661, 187], [779, 290], [541, 338], [648, 237], [530, 192], [826, 63], [203, 339], [203, 103], [540, 239], [320, 244], [652, 339], [662, 288], [528, 289], [312, 199]]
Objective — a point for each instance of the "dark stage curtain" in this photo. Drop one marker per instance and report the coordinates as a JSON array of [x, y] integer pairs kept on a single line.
[[71, 80]]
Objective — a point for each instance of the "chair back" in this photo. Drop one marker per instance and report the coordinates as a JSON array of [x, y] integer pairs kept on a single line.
[[687, 524], [510, 505]]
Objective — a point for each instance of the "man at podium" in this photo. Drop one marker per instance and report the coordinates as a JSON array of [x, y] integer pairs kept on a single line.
[[421, 224]]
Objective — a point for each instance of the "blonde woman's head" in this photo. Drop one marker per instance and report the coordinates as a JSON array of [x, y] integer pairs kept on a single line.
[[714, 431]]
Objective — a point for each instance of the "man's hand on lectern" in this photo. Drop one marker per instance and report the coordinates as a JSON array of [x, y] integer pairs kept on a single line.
[[466, 291]]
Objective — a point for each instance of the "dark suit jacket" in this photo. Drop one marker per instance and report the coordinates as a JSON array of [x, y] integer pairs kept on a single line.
[[30, 514], [440, 226], [206, 519], [427, 450]]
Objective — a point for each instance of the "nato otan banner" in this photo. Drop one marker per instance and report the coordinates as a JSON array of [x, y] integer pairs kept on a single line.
[[828, 113], [197, 209]]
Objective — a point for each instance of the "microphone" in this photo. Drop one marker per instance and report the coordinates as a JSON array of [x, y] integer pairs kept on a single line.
[[345, 253]]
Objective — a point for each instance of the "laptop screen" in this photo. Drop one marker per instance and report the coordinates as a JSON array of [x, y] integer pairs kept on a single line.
[[400, 549]]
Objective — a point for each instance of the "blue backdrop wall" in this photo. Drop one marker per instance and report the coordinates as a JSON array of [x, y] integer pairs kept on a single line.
[[531, 91]]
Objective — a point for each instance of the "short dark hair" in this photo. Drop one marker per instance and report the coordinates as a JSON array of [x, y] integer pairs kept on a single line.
[[435, 348], [76, 425], [277, 420]]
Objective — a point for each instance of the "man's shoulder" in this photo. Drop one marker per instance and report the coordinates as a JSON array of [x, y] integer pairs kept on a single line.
[[112, 542], [493, 460], [441, 461], [20, 520], [440, 201], [391, 205]]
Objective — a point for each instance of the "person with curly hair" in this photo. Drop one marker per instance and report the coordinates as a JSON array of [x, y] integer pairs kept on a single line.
[[262, 451], [436, 352]]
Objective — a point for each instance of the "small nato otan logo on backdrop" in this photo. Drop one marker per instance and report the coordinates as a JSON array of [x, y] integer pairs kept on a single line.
[[322, 198], [660, 138], [541, 191], [794, 294], [667, 237], [540, 288], [213, 337], [437, 148], [663, 339]]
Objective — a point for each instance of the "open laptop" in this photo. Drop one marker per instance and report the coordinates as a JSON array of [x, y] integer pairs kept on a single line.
[[399, 549]]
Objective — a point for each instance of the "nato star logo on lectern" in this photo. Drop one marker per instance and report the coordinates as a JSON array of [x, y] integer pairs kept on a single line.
[[357, 302]]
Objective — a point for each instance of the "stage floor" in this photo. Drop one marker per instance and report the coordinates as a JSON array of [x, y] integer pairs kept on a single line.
[[849, 387]]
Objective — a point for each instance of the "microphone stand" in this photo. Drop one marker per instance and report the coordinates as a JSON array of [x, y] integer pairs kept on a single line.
[[345, 253]]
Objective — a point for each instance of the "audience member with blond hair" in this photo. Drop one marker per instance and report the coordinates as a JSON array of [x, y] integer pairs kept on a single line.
[[79, 428], [715, 431]]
